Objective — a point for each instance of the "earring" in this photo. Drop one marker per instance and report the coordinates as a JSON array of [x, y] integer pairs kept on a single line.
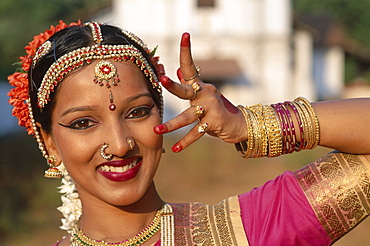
[[163, 150], [102, 153], [52, 172], [131, 143]]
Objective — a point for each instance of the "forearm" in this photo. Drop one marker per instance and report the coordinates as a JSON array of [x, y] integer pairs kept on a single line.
[[343, 124]]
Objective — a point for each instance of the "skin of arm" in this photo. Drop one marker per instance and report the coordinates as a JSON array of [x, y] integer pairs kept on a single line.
[[343, 124]]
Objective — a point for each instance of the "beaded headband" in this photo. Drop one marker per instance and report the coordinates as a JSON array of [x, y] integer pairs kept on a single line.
[[85, 55], [77, 58]]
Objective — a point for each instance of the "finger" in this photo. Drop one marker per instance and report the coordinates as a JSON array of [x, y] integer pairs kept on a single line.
[[186, 60], [187, 117], [182, 91], [193, 135], [180, 76]]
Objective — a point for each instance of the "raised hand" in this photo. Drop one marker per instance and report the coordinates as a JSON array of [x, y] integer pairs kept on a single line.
[[213, 112]]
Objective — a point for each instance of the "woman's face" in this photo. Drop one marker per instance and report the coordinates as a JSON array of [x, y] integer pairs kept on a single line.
[[82, 122]]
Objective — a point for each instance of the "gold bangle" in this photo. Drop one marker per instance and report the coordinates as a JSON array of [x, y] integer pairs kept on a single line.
[[273, 129], [315, 123], [308, 127], [245, 148], [261, 133], [303, 115]]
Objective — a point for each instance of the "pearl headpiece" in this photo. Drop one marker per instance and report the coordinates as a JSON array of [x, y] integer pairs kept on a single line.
[[85, 55]]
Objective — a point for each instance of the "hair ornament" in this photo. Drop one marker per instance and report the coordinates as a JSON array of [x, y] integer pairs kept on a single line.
[[105, 72], [136, 39], [85, 55], [19, 94], [96, 31], [41, 51]]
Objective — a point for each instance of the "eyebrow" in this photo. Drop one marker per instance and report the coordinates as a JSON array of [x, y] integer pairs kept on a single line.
[[95, 107], [78, 109]]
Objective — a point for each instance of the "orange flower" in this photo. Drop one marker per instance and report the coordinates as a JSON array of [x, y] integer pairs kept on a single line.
[[19, 94]]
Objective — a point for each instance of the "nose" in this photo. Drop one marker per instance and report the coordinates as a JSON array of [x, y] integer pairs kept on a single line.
[[117, 141]]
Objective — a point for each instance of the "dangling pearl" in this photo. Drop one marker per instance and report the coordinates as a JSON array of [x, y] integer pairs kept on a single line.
[[112, 107]]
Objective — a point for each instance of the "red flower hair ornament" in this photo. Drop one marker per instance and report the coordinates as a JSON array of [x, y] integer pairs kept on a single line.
[[19, 79], [19, 94]]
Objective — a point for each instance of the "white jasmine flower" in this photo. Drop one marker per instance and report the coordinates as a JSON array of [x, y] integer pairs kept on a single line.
[[71, 204]]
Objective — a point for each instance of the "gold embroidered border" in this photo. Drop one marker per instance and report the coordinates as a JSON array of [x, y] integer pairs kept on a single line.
[[201, 224], [338, 188]]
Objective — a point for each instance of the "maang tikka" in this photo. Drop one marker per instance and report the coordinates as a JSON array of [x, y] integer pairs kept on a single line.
[[105, 72]]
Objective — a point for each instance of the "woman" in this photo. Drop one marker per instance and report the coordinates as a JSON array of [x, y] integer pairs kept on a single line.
[[95, 107]]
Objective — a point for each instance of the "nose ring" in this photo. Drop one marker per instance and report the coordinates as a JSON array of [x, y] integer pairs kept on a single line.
[[103, 154], [131, 143]]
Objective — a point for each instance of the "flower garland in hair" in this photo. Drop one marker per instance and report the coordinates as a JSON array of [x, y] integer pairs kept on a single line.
[[19, 79]]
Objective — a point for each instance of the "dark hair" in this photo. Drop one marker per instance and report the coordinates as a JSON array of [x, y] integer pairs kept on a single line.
[[63, 42]]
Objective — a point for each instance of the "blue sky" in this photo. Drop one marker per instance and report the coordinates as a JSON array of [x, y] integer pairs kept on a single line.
[[8, 123]]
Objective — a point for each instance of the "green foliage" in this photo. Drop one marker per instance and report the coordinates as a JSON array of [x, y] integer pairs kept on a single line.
[[355, 19], [353, 15], [20, 20], [28, 200]]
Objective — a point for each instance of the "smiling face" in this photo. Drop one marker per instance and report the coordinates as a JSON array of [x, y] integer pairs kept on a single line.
[[82, 121]]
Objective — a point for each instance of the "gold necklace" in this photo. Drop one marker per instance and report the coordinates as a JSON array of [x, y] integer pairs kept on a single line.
[[79, 238]]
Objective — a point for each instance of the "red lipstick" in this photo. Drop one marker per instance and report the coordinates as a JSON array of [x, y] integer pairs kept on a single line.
[[121, 176]]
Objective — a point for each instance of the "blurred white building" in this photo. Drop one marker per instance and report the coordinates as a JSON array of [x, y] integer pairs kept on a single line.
[[250, 49]]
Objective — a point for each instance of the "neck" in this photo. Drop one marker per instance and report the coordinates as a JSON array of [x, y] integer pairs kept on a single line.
[[103, 221]]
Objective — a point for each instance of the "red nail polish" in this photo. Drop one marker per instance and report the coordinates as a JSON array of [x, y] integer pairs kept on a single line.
[[166, 82], [176, 148], [179, 74], [185, 40], [160, 129]]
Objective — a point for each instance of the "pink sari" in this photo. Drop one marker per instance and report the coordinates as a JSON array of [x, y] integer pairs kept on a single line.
[[300, 208]]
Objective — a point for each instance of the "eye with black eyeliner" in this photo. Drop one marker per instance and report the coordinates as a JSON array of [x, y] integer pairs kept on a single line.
[[80, 124], [139, 112]]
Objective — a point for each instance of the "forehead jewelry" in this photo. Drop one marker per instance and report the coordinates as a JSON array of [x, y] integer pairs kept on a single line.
[[106, 72], [85, 55], [112, 106], [77, 58]]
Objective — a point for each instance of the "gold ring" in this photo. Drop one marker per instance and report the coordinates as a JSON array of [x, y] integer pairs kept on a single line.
[[196, 87], [196, 74], [202, 127], [198, 111]]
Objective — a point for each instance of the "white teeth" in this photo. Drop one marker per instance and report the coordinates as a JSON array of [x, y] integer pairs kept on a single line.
[[123, 169]]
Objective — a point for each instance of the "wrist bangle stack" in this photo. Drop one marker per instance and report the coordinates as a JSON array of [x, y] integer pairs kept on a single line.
[[278, 129]]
